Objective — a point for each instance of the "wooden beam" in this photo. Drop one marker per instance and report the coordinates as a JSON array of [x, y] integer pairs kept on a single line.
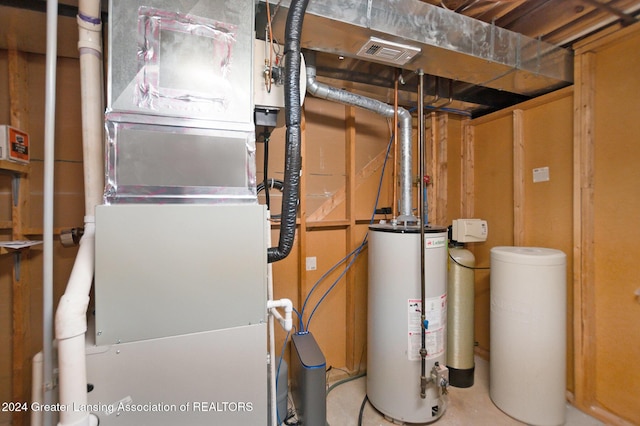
[[351, 185], [467, 181], [584, 275], [431, 163], [518, 178], [441, 171], [21, 291]]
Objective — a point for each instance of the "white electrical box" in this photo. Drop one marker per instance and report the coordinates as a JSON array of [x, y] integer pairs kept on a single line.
[[469, 230]]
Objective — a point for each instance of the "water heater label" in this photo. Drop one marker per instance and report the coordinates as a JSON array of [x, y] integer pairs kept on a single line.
[[435, 242], [435, 334]]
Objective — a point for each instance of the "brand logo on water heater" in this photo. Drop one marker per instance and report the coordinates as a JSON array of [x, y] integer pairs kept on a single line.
[[435, 242]]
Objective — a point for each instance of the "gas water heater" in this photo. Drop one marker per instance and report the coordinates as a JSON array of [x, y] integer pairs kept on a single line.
[[395, 324]]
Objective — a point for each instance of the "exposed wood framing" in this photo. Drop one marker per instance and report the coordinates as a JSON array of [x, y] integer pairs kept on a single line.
[[340, 195], [518, 177], [351, 184], [21, 294], [467, 181], [431, 152], [441, 171], [584, 285]]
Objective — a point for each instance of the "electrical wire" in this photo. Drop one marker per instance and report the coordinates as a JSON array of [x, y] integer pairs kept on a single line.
[[284, 345], [468, 267], [361, 414], [343, 381]]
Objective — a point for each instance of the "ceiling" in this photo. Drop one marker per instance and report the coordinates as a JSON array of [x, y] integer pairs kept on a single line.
[[458, 78], [529, 51]]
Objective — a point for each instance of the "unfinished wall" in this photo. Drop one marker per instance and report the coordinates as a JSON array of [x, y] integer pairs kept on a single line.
[[68, 208], [607, 208], [508, 145]]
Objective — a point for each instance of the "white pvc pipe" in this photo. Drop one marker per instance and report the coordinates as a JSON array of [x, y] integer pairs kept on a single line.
[[71, 320], [286, 322], [71, 326], [47, 226], [272, 341], [90, 48]]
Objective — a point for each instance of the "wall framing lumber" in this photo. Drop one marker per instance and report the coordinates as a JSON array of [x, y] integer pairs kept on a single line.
[[467, 179], [518, 178], [351, 185], [21, 290]]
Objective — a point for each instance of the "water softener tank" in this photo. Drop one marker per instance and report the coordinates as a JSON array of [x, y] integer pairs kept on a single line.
[[394, 321], [460, 325], [527, 377]]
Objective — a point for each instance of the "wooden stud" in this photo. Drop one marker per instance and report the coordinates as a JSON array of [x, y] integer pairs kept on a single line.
[[350, 163], [431, 152], [584, 285], [467, 181], [441, 171], [21, 294], [518, 178]]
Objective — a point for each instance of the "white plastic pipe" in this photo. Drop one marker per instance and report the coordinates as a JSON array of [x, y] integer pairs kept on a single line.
[[71, 326], [47, 225], [272, 341], [71, 319], [90, 49], [287, 321]]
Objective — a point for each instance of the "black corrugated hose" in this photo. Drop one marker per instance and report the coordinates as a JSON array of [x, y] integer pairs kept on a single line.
[[293, 160]]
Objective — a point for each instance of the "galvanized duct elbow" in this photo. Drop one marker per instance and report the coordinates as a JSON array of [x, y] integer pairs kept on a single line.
[[405, 122], [293, 160]]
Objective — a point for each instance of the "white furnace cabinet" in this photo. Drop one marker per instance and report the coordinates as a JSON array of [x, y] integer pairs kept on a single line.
[[180, 315]]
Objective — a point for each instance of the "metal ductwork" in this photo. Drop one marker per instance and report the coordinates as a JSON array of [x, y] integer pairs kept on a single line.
[[410, 35], [344, 97]]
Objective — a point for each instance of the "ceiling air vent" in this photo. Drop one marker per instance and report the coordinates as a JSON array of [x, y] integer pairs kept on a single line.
[[377, 49]]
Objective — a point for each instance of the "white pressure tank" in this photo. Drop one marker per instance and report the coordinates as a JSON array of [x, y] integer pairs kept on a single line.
[[528, 333], [394, 321]]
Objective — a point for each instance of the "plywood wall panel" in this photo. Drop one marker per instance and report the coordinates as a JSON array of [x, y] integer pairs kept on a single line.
[[493, 177], [616, 210], [548, 213]]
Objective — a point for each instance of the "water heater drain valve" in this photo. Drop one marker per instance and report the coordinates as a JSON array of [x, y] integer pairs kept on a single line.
[[440, 376]]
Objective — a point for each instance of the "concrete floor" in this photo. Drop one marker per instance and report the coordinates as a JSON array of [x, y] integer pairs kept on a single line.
[[470, 406]]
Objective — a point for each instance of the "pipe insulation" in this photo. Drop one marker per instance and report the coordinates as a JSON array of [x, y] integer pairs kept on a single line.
[[293, 114], [323, 91]]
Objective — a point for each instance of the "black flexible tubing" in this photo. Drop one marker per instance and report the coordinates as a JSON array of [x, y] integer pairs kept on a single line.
[[293, 160], [361, 414]]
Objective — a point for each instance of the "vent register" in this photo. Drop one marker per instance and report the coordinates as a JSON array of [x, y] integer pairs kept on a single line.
[[387, 51]]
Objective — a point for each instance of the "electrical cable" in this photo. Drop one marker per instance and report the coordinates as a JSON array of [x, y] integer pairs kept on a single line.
[[270, 184], [267, 135], [361, 414], [343, 381], [468, 267], [284, 345]]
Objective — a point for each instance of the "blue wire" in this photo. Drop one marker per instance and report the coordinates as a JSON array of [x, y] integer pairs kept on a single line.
[[357, 251], [284, 345]]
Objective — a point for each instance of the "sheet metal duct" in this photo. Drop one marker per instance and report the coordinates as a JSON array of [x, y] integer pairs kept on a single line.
[[441, 42]]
